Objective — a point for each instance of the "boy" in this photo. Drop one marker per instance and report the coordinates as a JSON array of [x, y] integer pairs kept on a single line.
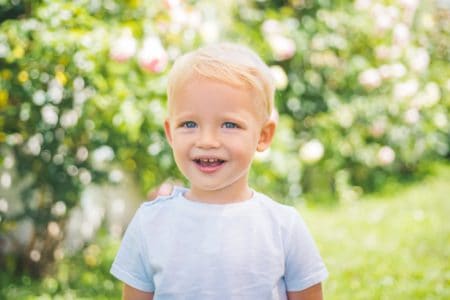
[[219, 239]]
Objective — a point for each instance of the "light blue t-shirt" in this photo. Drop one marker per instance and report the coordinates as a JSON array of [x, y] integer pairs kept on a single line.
[[182, 249]]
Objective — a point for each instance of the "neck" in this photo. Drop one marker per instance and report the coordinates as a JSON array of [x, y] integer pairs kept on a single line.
[[219, 196]]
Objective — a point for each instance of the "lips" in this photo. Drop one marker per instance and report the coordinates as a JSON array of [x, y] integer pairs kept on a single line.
[[208, 165]]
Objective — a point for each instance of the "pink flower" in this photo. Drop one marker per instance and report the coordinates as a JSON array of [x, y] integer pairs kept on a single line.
[[385, 156], [370, 79], [153, 57], [283, 48], [378, 128]]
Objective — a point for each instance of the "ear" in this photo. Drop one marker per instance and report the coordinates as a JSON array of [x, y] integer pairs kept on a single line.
[[168, 131], [266, 135]]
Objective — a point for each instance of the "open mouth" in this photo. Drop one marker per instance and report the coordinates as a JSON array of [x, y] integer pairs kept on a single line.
[[208, 162]]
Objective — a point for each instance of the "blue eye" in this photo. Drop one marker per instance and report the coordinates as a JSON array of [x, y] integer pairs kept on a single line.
[[189, 124], [230, 125]]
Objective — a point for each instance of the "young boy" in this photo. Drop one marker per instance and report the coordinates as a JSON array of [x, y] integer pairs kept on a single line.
[[220, 239]]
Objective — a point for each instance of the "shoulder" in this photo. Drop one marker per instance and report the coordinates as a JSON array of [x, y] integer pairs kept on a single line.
[[162, 200], [276, 207], [162, 211], [283, 214], [161, 203]]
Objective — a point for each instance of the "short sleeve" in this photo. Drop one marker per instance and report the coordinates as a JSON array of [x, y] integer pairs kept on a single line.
[[304, 266], [130, 265]]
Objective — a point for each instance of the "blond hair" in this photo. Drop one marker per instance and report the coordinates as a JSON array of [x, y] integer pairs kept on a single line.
[[228, 63]]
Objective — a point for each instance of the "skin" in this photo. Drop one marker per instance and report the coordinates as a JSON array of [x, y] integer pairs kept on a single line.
[[210, 120], [130, 293]]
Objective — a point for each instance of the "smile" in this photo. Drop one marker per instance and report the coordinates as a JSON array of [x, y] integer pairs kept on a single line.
[[208, 162], [209, 165]]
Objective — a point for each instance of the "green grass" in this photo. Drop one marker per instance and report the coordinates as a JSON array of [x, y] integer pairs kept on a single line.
[[388, 247], [394, 245]]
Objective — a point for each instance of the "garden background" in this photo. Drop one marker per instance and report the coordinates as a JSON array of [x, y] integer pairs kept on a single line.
[[362, 146]]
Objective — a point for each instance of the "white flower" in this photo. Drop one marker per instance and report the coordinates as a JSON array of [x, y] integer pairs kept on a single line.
[[171, 4], [370, 79], [401, 34], [362, 4], [49, 114], [412, 116], [397, 70], [385, 155], [82, 154], [312, 151], [85, 176], [69, 118], [279, 76], [55, 91], [115, 176], [378, 128], [3, 205], [406, 89], [53, 229], [344, 116], [429, 97], [283, 48], [78, 83], [383, 21], [433, 94], [409, 4], [155, 148], [103, 153], [8, 161], [152, 56], [384, 16], [33, 145], [418, 59], [59, 209], [4, 50], [5, 180], [39, 97], [384, 52], [271, 27], [124, 47]]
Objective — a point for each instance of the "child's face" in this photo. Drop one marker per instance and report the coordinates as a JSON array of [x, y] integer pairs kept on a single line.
[[214, 130]]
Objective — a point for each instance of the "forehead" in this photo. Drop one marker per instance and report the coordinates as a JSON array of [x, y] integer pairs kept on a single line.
[[199, 91]]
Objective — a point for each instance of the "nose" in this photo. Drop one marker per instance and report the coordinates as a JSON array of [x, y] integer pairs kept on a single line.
[[207, 139]]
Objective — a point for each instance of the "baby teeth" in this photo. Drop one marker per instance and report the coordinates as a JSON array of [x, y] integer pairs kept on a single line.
[[208, 160]]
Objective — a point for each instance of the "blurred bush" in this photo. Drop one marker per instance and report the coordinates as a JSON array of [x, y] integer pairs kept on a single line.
[[363, 95], [363, 91], [82, 101]]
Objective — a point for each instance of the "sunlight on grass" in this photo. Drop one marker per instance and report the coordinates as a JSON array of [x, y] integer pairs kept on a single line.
[[394, 247]]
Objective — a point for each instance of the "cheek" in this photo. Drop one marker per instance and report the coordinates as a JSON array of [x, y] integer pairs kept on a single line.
[[244, 148], [178, 146]]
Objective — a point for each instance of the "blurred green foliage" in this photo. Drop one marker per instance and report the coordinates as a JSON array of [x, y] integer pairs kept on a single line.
[[363, 97]]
